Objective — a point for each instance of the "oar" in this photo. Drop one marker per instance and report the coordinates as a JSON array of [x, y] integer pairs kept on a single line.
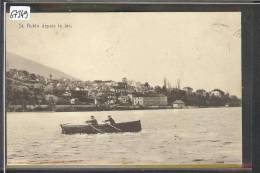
[[115, 128], [100, 131]]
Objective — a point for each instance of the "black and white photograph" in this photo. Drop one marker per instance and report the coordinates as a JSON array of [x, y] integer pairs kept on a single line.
[[124, 89]]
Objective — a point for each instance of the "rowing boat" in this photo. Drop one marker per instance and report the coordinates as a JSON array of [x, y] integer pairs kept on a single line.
[[132, 126]]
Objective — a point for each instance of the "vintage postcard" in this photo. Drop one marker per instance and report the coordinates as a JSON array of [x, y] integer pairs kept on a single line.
[[124, 88]]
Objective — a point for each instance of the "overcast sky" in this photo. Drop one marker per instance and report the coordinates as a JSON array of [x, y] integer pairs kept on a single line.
[[203, 50]]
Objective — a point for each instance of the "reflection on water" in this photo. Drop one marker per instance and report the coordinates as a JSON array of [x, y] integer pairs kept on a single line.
[[187, 136]]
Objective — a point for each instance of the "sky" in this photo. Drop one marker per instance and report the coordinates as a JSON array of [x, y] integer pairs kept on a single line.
[[202, 49]]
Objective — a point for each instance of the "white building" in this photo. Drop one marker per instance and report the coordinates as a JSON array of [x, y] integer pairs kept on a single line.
[[149, 99], [178, 104]]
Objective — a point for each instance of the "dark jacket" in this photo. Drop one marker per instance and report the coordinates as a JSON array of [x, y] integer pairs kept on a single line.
[[92, 122], [111, 121]]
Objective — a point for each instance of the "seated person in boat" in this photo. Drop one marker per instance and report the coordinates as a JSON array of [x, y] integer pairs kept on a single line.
[[110, 120], [92, 121]]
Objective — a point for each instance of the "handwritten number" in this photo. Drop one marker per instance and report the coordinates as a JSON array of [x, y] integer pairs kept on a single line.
[[18, 14]]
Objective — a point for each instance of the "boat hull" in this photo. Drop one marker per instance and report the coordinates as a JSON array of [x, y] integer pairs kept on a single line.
[[133, 126]]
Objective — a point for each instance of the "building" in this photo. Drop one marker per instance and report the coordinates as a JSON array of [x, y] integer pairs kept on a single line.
[[178, 104], [123, 99], [149, 99], [137, 99]]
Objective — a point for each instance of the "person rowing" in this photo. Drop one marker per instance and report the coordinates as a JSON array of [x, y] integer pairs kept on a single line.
[[112, 123], [110, 120], [92, 121]]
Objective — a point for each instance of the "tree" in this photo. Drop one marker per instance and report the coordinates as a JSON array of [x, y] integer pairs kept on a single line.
[[147, 85], [38, 93], [234, 101], [201, 92], [22, 95], [124, 80], [157, 89], [51, 100], [49, 89]]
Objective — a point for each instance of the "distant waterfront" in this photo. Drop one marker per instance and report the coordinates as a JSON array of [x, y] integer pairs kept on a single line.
[[32, 91], [79, 108]]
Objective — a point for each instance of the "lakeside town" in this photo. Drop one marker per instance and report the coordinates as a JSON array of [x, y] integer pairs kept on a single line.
[[32, 92]]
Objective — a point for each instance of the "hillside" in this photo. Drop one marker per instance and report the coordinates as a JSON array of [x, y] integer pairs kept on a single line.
[[21, 63]]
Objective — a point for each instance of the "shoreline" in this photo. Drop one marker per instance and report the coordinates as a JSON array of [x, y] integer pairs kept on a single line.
[[91, 108]]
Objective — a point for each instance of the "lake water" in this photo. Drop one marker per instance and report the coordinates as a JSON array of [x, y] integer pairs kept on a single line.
[[184, 136]]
